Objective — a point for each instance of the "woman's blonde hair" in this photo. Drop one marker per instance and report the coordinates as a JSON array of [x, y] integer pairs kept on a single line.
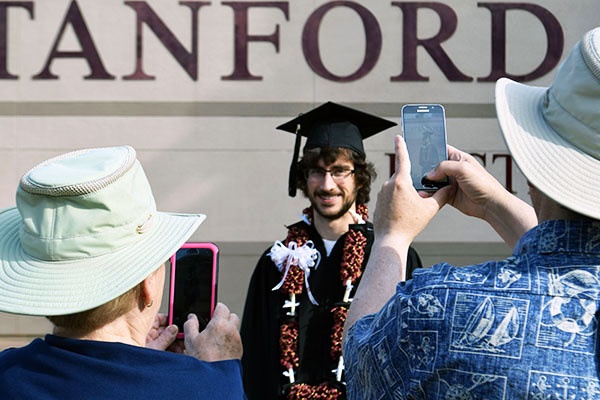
[[90, 320]]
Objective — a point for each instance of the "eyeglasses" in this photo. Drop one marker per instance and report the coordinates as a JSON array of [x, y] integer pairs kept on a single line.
[[338, 174]]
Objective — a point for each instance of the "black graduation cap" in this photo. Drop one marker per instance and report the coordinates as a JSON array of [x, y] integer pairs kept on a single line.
[[332, 125]]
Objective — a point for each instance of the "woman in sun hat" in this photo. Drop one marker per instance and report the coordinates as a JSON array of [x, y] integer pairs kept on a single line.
[[86, 247], [526, 327]]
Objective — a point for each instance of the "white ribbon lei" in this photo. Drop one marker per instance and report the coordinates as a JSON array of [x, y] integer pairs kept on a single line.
[[305, 257], [357, 217]]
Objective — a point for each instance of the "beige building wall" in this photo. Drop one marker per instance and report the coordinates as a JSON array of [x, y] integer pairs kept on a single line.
[[209, 145]]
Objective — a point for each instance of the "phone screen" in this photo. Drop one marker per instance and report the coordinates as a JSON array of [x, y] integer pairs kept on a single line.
[[193, 283], [424, 129]]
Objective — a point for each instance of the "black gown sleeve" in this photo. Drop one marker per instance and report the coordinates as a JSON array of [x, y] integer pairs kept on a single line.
[[413, 261], [260, 333]]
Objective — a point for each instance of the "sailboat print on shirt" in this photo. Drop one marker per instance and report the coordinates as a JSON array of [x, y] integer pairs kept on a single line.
[[508, 329], [478, 334], [478, 324]]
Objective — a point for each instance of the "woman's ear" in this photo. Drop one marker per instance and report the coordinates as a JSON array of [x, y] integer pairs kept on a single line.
[[145, 296], [148, 290]]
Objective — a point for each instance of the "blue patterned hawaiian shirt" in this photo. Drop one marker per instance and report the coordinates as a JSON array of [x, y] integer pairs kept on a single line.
[[522, 328]]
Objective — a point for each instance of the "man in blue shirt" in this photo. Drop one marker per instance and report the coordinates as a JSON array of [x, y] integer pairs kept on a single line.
[[522, 328]]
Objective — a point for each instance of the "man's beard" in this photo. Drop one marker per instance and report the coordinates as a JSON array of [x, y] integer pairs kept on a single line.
[[346, 205]]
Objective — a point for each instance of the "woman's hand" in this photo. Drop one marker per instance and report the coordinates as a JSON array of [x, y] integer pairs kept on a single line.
[[220, 340], [162, 337]]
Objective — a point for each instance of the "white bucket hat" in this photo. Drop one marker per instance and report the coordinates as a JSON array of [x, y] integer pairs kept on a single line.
[[85, 231], [553, 134]]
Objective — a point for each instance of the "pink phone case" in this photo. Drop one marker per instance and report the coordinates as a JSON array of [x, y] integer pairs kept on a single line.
[[215, 251]]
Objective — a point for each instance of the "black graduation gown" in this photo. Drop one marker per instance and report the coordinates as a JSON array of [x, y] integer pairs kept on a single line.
[[262, 371]]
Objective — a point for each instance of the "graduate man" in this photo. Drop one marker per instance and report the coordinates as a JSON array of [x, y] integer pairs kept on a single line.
[[302, 286]]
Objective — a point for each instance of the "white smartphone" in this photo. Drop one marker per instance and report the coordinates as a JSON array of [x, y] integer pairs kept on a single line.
[[424, 131]]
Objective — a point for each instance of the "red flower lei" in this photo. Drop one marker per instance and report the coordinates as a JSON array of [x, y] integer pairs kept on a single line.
[[319, 392], [350, 271]]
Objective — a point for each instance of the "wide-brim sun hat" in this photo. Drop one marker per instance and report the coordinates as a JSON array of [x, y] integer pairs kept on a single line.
[[85, 231], [553, 134]]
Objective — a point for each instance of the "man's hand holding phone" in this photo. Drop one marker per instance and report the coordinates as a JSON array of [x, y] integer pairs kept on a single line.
[[219, 341], [477, 188], [479, 194], [402, 212]]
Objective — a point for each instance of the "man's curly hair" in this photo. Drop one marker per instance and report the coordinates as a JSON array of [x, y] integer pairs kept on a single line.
[[364, 171]]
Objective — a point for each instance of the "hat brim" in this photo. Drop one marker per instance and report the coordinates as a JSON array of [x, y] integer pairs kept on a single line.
[[550, 163], [35, 287]]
